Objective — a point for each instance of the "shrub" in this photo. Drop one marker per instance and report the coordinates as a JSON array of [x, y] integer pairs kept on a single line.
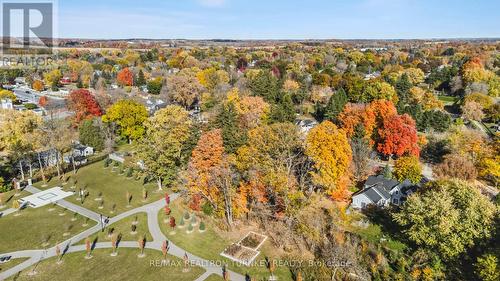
[[186, 216], [129, 172], [107, 162], [182, 223], [190, 227], [207, 209], [202, 226], [116, 164]]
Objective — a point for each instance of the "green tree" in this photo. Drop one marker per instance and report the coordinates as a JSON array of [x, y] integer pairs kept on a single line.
[[447, 217], [283, 111], [232, 135], [91, 135], [265, 85], [487, 268], [166, 134], [141, 80], [129, 116], [403, 86], [154, 86], [335, 105]]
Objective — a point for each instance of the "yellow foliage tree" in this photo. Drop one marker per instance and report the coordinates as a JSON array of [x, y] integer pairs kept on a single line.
[[329, 148], [409, 168]]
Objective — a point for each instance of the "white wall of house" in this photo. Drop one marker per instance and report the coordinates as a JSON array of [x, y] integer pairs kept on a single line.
[[360, 201]]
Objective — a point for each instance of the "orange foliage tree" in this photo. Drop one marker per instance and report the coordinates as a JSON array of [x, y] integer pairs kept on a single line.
[[125, 77], [38, 85], [43, 101], [398, 136]]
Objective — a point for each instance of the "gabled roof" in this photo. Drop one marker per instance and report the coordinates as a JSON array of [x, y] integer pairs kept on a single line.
[[374, 193], [380, 181]]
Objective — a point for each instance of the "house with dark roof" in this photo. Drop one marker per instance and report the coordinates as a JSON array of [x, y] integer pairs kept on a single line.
[[381, 191]]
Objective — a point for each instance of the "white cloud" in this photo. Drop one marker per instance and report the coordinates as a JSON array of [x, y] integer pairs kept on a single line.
[[212, 3]]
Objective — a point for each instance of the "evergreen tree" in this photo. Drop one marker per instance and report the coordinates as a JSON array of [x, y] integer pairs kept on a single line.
[[141, 80], [283, 111], [266, 86], [232, 135], [387, 173], [91, 135], [403, 86], [335, 105]]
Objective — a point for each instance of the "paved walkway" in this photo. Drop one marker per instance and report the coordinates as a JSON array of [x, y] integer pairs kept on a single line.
[[152, 209], [70, 206]]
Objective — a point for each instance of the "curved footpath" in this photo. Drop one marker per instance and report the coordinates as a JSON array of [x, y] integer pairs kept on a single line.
[[152, 209]]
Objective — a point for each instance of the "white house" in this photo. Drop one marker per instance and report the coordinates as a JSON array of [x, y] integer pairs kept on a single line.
[[83, 150], [6, 104], [306, 125], [380, 191]]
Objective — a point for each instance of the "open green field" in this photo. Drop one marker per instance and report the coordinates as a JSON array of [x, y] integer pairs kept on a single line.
[[125, 266], [32, 227], [209, 245], [124, 228], [114, 187], [9, 196]]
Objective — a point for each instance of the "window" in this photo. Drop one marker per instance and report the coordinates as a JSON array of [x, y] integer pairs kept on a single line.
[[397, 192], [395, 201]]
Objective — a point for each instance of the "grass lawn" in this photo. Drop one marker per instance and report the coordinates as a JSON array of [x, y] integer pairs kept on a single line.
[[113, 186], [209, 245], [9, 196], [124, 227], [11, 264], [29, 229], [125, 266]]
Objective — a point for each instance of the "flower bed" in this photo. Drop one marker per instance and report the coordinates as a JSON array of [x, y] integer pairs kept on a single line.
[[246, 250], [240, 254], [253, 240]]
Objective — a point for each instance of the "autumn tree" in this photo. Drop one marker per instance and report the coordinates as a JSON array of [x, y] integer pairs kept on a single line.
[[270, 161], [6, 94], [446, 217], [43, 101], [472, 110], [209, 174], [456, 166], [330, 151], [398, 136], [161, 146], [85, 106], [125, 77], [408, 168], [184, 88], [129, 116], [52, 78], [38, 85], [210, 78]]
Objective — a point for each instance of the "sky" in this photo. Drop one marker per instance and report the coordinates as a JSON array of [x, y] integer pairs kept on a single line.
[[278, 19]]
